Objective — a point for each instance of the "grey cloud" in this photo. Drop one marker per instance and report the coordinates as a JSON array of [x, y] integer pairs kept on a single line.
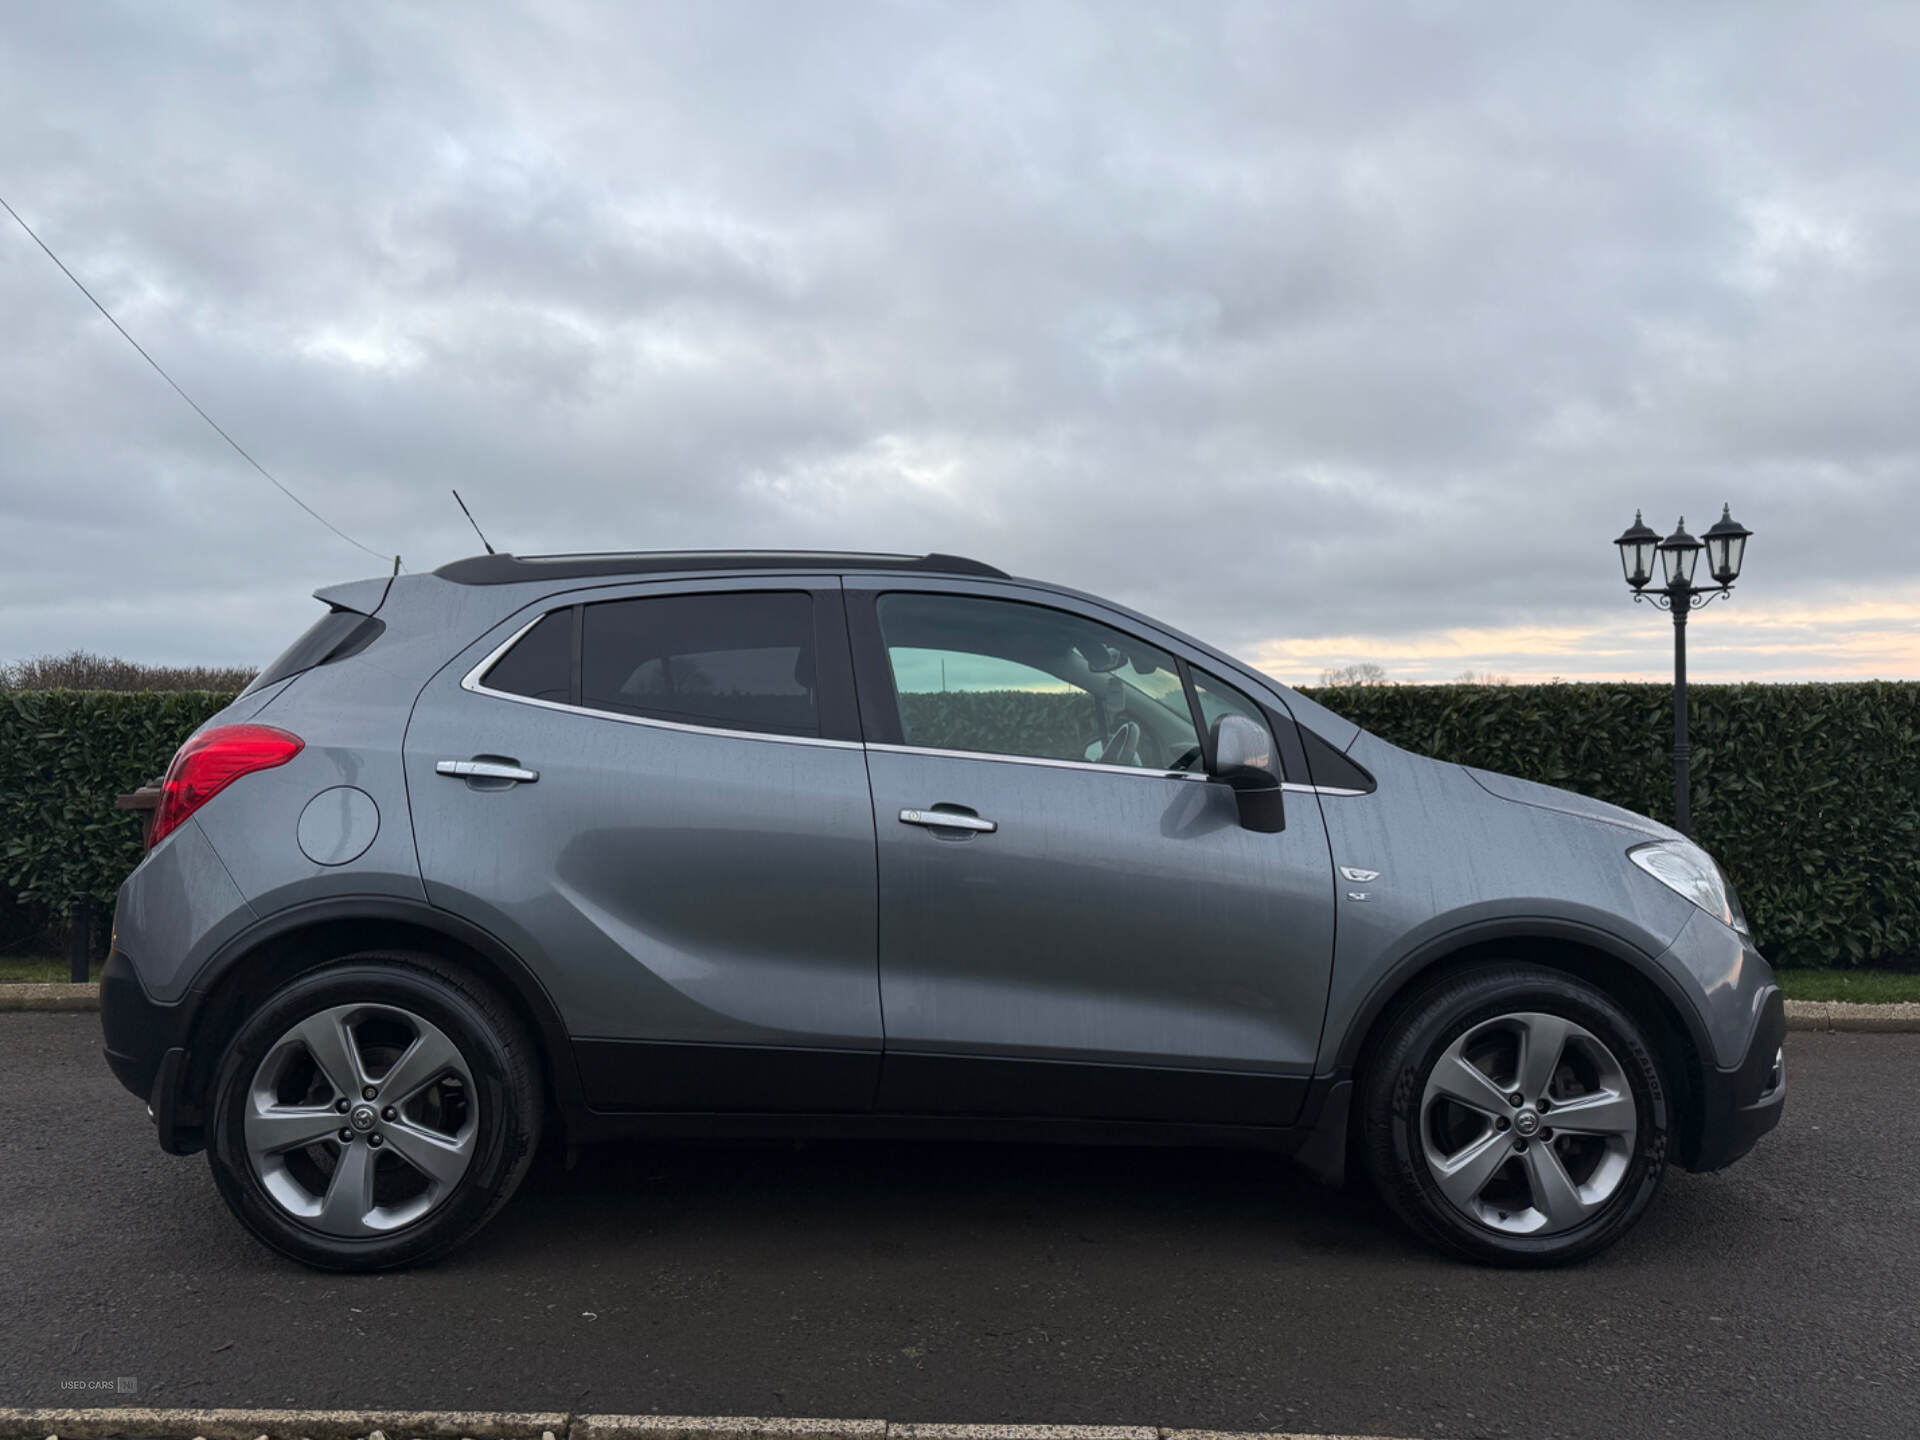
[[1354, 319]]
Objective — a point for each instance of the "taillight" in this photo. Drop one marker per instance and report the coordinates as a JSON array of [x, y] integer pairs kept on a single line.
[[210, 762]]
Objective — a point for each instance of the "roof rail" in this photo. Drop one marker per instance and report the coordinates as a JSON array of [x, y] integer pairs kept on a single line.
[[520, 569]]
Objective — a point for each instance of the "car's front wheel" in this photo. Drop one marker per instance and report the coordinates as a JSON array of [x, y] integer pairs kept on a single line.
[[374, 1113], [1516, 1115]]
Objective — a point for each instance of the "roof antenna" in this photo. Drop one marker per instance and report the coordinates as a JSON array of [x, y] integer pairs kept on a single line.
[[471, 521]]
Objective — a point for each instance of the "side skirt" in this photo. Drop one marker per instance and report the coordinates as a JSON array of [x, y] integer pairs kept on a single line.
[[598, 1126], [747, 1092], [915, 1083], [647, 1075]]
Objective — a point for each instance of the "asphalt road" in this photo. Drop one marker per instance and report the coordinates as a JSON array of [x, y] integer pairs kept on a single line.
[[986, 1284]]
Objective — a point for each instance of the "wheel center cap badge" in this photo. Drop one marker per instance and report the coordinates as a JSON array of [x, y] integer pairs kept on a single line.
[[362, 1117], [1527, 1123]]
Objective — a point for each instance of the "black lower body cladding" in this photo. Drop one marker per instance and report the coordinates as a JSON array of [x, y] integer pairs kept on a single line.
[[1739, 1105], [138, 1031]]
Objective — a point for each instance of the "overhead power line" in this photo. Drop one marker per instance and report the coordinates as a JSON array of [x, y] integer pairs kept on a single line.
[[161, 372]]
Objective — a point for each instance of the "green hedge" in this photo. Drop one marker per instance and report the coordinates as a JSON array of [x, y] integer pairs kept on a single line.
[[1808, 794], [1020, 722], [64, 755]]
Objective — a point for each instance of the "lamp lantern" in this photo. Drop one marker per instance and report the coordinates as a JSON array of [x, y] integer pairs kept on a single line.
[[1679, 553], [1637, 544], [1726, 547]]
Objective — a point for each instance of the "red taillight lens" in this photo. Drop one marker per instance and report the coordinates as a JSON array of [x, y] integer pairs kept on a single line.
[[210, 762]]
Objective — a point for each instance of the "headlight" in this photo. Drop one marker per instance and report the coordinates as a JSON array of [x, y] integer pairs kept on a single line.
[[1687, 870]]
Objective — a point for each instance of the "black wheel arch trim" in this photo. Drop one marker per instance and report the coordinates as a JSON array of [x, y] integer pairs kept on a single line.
[[530, 995], [1437, 949]]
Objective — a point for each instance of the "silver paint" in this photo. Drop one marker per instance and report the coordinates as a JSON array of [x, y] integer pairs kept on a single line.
[[665, 881], [338, 825], [180, 901], [1109, 919], [674, 883]]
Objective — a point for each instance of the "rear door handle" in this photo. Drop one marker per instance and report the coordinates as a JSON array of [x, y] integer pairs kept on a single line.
[[948, 820], [485, 770]]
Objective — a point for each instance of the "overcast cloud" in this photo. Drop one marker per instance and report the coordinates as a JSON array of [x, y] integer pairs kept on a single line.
[[1334, 333]]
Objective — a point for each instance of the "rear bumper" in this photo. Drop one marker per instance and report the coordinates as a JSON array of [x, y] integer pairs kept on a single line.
[[137, 1031], [1740, 1104], [146, 1050]]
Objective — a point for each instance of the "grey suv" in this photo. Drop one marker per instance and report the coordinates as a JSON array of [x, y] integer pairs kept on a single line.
[[860, 845]]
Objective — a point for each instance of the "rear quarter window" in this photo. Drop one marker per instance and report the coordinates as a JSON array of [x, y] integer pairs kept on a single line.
[[540, 665]]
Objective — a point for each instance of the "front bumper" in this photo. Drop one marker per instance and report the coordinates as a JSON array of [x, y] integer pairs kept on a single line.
[[1741, 1103], [146, 1050]]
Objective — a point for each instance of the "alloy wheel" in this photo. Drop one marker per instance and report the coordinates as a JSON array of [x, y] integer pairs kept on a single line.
[[361, 1119], [1527, 1123]]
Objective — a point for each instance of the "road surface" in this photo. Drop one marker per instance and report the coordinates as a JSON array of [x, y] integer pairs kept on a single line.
[[986, 1284]]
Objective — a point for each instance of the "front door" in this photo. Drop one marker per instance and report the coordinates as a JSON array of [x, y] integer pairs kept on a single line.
[[1072, 921], [658, 799]]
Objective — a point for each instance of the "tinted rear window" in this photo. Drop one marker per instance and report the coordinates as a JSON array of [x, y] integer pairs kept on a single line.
[[334, 636], [733, 660]]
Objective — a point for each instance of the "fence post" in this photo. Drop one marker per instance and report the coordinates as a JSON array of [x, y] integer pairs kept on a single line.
[[79, 939]]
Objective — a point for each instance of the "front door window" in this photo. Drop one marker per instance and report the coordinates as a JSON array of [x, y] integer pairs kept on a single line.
[[1002, 678]]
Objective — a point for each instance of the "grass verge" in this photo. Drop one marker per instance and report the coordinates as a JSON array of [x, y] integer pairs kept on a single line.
[[37, 969], [1868, 987]]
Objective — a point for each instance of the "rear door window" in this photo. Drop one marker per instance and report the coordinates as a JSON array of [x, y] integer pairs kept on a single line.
[[733, 660]]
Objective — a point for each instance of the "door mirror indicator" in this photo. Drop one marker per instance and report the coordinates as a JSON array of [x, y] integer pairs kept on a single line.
[[1244, 760]]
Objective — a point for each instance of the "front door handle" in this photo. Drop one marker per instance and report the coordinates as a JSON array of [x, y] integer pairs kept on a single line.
[[948, 820], [485, 770]]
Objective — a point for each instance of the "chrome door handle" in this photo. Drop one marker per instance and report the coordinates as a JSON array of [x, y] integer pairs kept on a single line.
[[485, 770], [947, 820]]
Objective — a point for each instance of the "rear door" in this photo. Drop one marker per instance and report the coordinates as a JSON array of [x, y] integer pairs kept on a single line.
[[1072, 921], [658, 798]]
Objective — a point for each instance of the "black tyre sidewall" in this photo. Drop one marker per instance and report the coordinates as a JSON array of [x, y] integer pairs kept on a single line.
[[1397, 1085], [507, 1120]]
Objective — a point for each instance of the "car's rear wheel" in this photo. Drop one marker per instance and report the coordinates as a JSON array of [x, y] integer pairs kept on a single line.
[[374, 1113], [1516, 1115]]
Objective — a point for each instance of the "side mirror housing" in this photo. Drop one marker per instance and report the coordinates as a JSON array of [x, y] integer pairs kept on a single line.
[[1244, 760]]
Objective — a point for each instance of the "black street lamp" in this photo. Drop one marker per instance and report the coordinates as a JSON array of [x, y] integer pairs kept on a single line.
[[1726, 547]]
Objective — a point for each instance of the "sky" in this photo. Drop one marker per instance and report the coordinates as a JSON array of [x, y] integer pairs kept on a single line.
[[1331, 333]]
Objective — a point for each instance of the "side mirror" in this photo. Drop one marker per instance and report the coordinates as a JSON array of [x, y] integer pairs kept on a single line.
[[1244, 760]]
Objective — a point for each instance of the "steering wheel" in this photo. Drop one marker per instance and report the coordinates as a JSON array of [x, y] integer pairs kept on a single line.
[[1123, 746]]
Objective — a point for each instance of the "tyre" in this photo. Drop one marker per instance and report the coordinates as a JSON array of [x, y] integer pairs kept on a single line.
[[1515, 1115], [374, 1113]]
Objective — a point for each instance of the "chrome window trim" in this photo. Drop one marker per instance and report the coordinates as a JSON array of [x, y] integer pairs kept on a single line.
[[1293, 785], [471, 682], [995, 755]]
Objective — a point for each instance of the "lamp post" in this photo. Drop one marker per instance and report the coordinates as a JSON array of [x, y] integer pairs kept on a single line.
[[1726, 547]]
